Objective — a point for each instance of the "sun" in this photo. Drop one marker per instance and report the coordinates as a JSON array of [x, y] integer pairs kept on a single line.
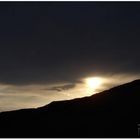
[[94, 82]]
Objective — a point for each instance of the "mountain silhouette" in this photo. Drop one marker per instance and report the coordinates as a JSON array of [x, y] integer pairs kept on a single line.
[[113, 113]]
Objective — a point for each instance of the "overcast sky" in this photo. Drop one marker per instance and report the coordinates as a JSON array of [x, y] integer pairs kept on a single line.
[[47, 48]]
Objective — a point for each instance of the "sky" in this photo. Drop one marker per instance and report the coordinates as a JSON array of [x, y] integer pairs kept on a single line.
[[48, 49]]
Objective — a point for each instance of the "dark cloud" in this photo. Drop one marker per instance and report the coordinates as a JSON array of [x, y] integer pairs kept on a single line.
[[51, 42], [61, 88]]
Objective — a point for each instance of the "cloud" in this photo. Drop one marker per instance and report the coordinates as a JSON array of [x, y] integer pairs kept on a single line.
[[61, 88]]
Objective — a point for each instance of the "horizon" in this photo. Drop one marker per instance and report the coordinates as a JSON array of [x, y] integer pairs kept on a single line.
[[18, 109]]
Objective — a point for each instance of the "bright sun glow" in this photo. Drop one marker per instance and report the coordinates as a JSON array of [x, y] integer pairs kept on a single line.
[[94, 82]]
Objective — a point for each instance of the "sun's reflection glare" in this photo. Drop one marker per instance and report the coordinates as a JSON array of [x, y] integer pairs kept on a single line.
[[93, 84]]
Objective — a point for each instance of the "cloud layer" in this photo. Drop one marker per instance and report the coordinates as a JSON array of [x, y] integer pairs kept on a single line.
[[47, 48]]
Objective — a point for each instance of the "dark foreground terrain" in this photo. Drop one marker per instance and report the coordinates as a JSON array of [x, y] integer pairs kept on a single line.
[[114, 113]]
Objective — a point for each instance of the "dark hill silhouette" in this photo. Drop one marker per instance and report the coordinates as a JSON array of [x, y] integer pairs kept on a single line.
[[112, 113]]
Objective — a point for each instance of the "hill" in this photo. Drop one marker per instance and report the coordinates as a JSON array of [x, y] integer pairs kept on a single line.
[[112, 113]]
